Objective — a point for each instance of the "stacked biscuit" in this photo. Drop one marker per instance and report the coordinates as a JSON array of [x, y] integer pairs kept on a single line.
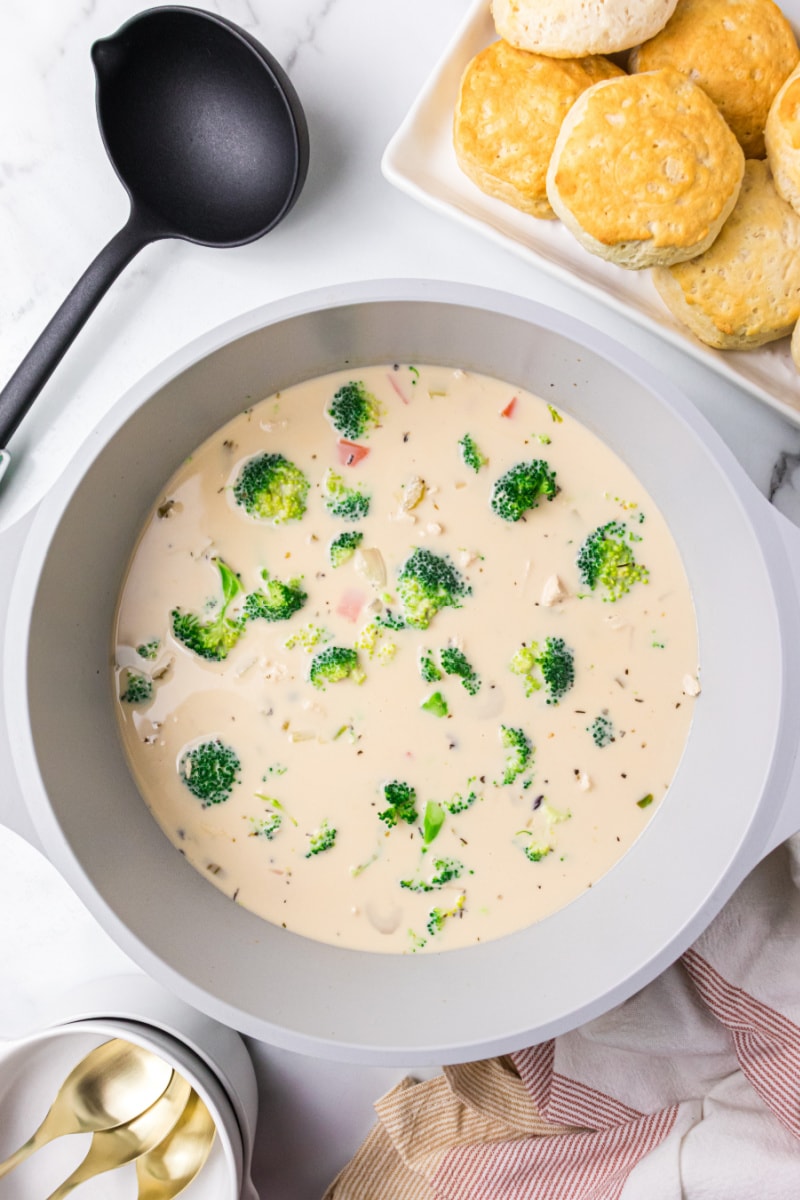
[[686, 162]]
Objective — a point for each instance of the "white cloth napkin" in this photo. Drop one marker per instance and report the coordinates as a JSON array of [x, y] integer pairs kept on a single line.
[[690, 1090]]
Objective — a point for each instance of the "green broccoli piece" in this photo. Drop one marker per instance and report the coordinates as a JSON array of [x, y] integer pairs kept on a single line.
[[402, 801], [427, 667], [534, 849], [521, 488], [265, 827], [214, 637], [333, 664], [459, 803], [275, 601], [149, 650], [455, 662], [390, 620], [552, 666], [308, 637], [354, 411], [519, 752], [138, 688], [344, 546], [209, 771], [427, 583], [438, 916], [602, 731], [606, 559], [349, 504], [272, 488], [435, 704], [471, 456], [322, 840], [444, 871]]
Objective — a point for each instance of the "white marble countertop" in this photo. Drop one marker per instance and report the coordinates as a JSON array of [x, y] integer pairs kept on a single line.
[[357, 67]]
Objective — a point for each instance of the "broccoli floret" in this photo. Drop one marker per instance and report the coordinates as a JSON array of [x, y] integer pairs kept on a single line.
[[308, 637], [435, 704], [272, 488], [519, 752], [602, 731], [149, 650], [265, 827], [349, 504], [552, 666], [138, 688], [344, 546], [521, 488], [470, 454], [322, 840], [427, 583], [275, 601], [459, 803], [333, 664], [455, 662], [606, 559], [215, 636], [427, 667], [209, 771], [402, 801], [390, 620], [444, 871], [438, 916], [354, 411], [534, 849]]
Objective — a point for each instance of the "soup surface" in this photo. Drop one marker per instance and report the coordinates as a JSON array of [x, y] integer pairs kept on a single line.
[[405, 659]]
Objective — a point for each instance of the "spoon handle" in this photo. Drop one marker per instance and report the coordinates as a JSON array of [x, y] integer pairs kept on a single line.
[[47, 351]]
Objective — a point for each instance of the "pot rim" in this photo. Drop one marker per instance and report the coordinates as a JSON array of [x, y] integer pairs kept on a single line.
[[671, 931]]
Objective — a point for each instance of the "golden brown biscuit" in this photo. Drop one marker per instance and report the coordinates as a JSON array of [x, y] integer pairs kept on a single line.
[[795, 345], [745, 290], [739, 51], [575, 28], [782, 136], [644, 171], [509, 111]]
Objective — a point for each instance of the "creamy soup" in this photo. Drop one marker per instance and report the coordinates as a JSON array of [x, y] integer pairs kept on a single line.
[[405, 659]]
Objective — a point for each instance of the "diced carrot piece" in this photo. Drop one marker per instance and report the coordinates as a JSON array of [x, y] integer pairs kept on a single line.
[[350, 453], [398, 389], [508, 411]]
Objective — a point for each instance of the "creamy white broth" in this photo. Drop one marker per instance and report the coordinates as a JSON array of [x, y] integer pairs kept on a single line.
[[324, 755]]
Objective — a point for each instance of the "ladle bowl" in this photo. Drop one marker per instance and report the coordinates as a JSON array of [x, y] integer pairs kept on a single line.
[[209, 139]]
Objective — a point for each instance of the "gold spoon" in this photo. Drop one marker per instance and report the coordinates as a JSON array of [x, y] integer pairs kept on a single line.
[[110, 1085], [170, 1166], [112, 1147]]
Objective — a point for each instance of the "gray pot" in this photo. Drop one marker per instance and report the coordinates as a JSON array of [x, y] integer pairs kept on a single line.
[[727, 805]]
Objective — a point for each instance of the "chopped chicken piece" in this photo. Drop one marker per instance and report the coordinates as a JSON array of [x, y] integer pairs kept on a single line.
[[691, 685], [370, 564], [553, 591], [413, 493]]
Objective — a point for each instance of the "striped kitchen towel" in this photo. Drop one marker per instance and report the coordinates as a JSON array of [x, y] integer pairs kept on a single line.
[[690, 1090]]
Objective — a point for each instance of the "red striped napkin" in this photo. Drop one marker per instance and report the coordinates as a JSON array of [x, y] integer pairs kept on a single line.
[[688, 1091]]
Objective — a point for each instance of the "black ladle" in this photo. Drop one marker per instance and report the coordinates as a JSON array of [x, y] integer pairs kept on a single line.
[[209, 139]]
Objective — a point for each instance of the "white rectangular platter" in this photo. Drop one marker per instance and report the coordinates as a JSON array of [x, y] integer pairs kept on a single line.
[[420, 160]]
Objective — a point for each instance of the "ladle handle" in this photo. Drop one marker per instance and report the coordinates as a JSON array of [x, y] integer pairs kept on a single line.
[[47, 351]]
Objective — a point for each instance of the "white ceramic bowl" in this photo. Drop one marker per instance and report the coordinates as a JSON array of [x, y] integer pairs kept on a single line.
[[33, 1068], [723, 809]]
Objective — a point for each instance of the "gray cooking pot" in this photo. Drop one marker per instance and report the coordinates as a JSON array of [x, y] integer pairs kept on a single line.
[[727, 806]]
